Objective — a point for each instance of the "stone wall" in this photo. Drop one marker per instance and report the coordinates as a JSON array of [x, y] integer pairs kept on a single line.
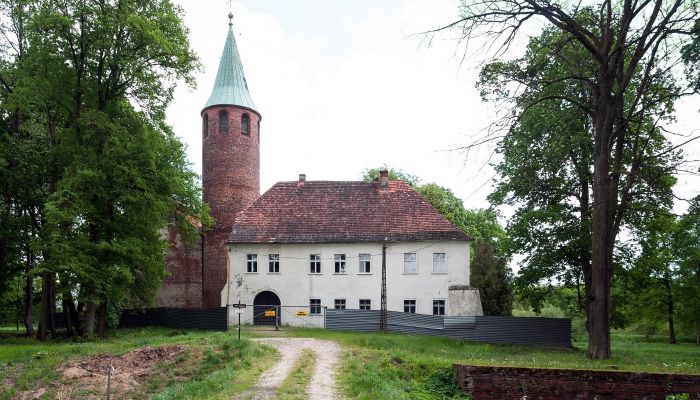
[[464, 301], [182, 287], [492, 383]]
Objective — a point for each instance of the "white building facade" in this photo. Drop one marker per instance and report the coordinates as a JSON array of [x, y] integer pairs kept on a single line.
[[308, 246]]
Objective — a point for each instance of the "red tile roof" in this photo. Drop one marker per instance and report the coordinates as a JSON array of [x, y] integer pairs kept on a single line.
[[341, 212]]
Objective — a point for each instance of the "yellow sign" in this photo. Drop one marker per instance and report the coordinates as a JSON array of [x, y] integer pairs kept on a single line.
[[302, 313], [270, 313]]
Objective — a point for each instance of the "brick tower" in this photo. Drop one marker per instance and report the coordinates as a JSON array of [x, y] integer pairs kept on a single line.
[[230, 162]]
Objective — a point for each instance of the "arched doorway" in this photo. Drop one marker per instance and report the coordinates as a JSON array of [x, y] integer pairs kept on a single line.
[[265, 301]]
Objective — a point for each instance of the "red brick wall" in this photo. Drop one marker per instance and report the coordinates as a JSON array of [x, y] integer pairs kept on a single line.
[[231, 180], [496, 383], [182, 288]]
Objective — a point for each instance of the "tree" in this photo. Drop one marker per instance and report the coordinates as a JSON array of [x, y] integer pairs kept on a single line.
[[93, 80], [491, 275], [632, 48], [687, 249]]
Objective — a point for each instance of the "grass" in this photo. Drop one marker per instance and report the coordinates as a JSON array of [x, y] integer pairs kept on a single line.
[[213, 363], [395, 366], [294, 386]]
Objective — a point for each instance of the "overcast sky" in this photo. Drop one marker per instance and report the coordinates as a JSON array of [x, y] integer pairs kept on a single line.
[[348, 85]]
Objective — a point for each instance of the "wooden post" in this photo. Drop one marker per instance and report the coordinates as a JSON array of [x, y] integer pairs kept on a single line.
[[383, 314]]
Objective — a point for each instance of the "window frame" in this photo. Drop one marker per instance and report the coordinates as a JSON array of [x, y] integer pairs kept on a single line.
[[365, 264], [205, 125], [340, 264], [245, 124], [273, 266], [314, 309], [223, 122], [367, 306], [342, 302], [441, 305], [406, 263], [444, 263], [315, 264], [407, 305], [251, 263]]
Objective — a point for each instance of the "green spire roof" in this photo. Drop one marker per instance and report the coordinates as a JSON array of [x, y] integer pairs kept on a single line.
[[230, 87]]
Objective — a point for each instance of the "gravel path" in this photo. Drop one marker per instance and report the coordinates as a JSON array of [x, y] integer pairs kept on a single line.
[[322, 385]]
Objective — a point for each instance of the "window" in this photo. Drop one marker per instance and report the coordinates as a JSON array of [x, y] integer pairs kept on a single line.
[[205, 125], [314, 306], [274, 260], [258, 131], [315, 263], [409, 306], [365, 304], [365, 264], [339, 304], [252, 264], [223, 122], [409, 263], [245, 124], [438, 307], [340, 263], [439, 265]]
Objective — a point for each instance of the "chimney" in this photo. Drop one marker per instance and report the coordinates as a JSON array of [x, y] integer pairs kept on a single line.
[[302, 179], [383, 178]]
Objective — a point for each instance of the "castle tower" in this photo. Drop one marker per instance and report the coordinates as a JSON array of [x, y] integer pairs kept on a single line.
[[230, 163]]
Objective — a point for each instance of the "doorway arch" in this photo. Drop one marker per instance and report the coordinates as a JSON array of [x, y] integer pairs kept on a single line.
[[266, 301]]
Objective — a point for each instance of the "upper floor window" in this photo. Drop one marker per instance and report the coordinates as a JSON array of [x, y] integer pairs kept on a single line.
[[409, 263], [274, 260], [245, 124], [365, 264], [315, 263], [439, 264], [252, 263], [205, 125], [340, 263], [223, 121]]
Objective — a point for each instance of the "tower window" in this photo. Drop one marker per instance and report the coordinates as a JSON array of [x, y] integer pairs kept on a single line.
[[223, 122], [258, 132], [245, 124], [205, 125]]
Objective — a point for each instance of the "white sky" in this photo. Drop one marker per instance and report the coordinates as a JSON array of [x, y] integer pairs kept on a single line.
[[347, 85]]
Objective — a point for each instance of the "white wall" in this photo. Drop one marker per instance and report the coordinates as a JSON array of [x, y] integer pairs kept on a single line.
[[295, 285]]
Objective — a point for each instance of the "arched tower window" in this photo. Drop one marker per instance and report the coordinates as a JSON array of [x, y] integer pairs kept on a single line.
[[205, 125], [258, 131], [245, 124], [223, 122]]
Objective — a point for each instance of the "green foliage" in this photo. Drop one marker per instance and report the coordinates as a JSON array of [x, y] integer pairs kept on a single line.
[[491, 275]]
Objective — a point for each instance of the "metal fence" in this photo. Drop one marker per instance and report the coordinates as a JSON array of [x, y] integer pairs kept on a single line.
[[554, 332], [189, 318]]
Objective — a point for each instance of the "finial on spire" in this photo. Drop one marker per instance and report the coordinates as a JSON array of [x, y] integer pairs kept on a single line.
[[230, 19]]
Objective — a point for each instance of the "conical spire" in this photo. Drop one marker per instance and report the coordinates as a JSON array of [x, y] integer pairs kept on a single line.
[[230, 87]]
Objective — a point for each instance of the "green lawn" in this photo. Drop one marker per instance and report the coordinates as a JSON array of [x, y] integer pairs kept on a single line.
[[374, 366]]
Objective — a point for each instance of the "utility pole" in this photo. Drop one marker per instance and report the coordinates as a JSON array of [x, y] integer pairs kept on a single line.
[[383, 314]]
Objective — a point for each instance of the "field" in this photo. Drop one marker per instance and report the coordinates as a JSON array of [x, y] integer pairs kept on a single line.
[[212, 365]]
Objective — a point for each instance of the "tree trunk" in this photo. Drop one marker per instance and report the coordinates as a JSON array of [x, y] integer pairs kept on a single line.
[[44, 307], [52, 304], [29, 303], [669, 303], [90, 318], [74, 315], [697, 342], [102, 321]]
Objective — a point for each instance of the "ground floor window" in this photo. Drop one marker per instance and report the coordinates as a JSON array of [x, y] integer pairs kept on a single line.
[[252, 263], [314, 306], [438, 307], [409, 306], [365, 304], [339, 304]]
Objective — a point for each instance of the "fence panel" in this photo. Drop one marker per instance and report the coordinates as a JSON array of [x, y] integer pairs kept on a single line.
[[415, 324], [189, 318], [352, 320]]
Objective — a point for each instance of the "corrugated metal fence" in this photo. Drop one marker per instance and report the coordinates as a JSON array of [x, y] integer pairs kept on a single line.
[[516, 330], [190, 318]]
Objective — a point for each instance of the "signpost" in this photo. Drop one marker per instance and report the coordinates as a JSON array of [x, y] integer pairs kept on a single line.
[[239, 310]]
